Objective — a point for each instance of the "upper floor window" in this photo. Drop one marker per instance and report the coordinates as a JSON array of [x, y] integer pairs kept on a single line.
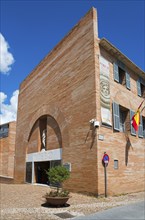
[[141, 87], [122, 118], [120, 75], [4, 130], [122, 78]]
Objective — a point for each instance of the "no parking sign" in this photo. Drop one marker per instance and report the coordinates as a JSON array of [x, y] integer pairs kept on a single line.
[[105, 159]]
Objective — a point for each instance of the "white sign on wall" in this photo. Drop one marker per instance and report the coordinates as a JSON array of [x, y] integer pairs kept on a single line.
[[105, 91]]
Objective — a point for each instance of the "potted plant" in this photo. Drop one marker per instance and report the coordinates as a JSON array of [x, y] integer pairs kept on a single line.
[[56, 176]]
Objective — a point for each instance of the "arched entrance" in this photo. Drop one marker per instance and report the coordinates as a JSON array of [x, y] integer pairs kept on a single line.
[[44, 149]]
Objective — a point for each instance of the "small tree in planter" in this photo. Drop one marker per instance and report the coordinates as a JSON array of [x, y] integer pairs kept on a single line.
[[57, 175]]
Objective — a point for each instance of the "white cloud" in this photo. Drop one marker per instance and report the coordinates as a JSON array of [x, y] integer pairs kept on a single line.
[[3, 96], [8, 112], [6, 58]]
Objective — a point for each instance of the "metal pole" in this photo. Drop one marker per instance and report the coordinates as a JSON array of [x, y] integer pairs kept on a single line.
[[105, 172]]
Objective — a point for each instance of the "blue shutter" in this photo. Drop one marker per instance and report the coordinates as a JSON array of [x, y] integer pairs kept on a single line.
[[116, 117], [138, 88], [133, 131], [120, 64], [127, 80], [142, 81], [140, 130], [116, 72]]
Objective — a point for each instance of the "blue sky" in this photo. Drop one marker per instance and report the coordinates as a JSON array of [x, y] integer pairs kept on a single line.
[[33, 28]]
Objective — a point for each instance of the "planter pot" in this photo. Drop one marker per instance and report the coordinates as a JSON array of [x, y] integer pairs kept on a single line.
[[56, 201]]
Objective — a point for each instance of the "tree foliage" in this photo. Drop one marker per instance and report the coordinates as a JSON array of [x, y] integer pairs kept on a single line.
[[58, 174]]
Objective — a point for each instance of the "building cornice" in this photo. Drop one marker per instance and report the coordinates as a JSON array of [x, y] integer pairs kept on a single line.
[[120, 56]]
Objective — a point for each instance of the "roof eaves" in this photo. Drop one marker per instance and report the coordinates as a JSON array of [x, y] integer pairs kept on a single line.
[[119, 55]]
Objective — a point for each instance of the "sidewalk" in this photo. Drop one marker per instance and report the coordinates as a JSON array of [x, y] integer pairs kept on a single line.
[[25, 202]]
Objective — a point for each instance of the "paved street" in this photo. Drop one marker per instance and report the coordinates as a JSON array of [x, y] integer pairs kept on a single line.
[[135, 211]]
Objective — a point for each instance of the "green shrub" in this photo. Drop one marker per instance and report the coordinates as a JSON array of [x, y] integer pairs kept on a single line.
[[57, 175], [62, 193]]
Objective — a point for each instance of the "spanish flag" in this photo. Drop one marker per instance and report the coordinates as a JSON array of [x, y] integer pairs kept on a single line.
[[136, 118]]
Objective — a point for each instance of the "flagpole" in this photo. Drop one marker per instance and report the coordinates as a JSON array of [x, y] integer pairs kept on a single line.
[[135, 120], [142, 109], [143, 106]]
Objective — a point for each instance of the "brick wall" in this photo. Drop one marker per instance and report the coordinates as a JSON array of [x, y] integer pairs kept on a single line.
[[7, 152], [34, 139], [127, 149]]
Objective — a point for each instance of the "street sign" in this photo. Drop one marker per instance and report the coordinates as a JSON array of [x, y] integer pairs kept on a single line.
[[105, 159]]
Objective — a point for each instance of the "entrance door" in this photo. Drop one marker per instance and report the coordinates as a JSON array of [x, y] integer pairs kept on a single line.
[[29, 172], [40, 172]]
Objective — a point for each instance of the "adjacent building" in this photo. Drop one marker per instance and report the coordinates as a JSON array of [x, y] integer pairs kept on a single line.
[[7, 150], [76, 105]]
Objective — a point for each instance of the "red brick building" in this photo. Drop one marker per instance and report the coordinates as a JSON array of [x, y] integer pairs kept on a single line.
[[76, 105], [7, 149]]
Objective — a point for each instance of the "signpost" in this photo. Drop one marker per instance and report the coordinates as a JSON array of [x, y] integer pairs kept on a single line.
[[105, 161]]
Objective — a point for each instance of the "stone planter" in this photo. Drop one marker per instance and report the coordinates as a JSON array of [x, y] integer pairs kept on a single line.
[[56, 201]]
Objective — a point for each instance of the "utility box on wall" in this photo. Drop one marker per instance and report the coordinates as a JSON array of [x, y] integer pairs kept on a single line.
[[67, 166], [115, 164]]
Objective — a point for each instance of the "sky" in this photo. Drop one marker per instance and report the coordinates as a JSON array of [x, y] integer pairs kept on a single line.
[[30, 29]]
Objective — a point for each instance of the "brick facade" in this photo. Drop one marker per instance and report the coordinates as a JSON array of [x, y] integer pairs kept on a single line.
[[7, 151], [61, 95]]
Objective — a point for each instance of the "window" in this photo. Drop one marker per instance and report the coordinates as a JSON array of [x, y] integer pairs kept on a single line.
[[122, 79], [121, 118], [123, 115], [142, 90], [141, 87], [4, 130], [120, 75]]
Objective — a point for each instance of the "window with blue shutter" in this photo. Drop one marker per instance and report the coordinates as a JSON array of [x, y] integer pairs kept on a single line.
[[116, 117], [120, 64], [127, 80], [133, 131], [120, 74], [138, 87], [116, 72], [142, 81], [140, 130]]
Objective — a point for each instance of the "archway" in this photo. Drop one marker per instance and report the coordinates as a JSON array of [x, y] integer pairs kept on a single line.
[[44, 135], [44, 150]]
